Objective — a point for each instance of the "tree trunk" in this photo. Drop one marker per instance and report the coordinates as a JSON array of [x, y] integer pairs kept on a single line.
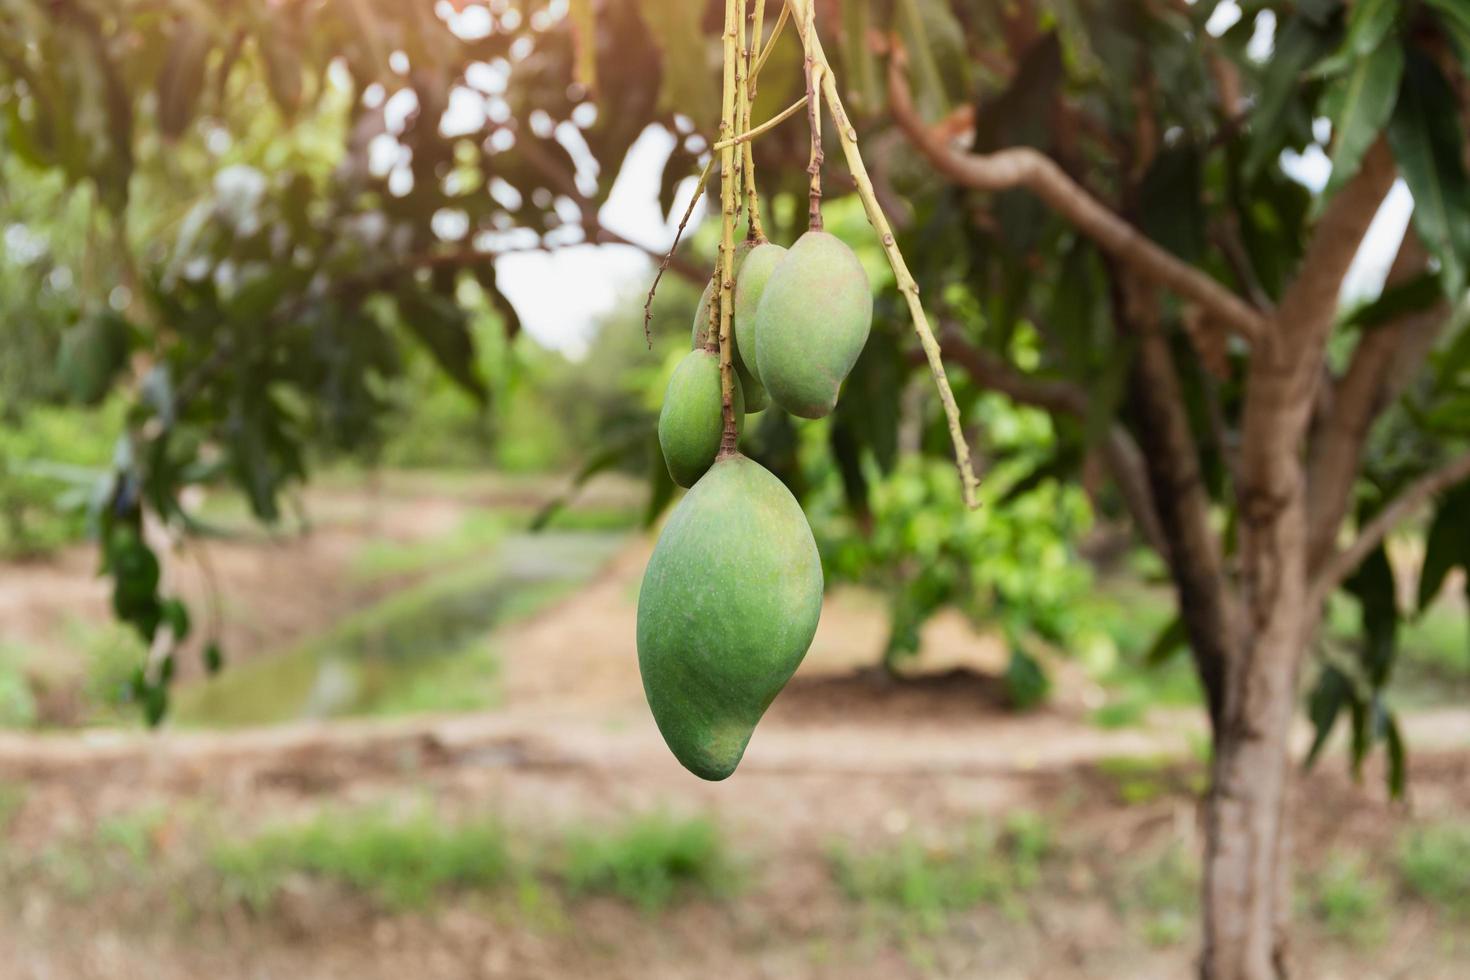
[[1247, 863]]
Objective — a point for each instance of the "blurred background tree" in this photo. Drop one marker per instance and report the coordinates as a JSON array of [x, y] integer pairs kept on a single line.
[[249, 235]]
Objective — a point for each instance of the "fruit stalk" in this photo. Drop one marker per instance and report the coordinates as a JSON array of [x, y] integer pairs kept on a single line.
[[663, 266], [729, 120], [847, 137], [750, 40], [814, 121]]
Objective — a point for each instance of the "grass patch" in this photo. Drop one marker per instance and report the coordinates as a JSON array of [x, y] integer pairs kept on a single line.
[[1434, 862], [1161, 891], [401, 861], [1140, 780], [926, 884], [478, 533], [12, 798], [650, 861], [1349, 900]]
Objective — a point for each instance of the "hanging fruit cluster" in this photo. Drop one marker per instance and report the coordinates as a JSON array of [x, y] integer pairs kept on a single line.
[[733, 591]]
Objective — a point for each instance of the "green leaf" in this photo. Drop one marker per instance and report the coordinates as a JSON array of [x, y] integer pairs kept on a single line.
[[1359, 104], [1411, 296], [1426, 140], [1171, 639], [176, 615], [1447, 545], [214, 659], [1373, 585], [1368, 25], [1298, 46], [1026, 682], [688, 77], [442, 327], [1398, 769], [1172, 201], [1454, 17], [182, 79], [1333, 690]]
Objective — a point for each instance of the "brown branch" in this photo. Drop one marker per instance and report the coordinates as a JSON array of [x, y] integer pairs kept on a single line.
[[1345, 562], [1369, 385], [1119, 451], [1028, 168], [1171, 460]]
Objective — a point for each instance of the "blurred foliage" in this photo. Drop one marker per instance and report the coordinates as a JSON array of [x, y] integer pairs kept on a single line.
[[269, 223]]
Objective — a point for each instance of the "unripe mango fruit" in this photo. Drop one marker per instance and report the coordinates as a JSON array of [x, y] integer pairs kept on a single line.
[[755, 392], [729, 605], [812, 323], [692, 419], [750, 285]]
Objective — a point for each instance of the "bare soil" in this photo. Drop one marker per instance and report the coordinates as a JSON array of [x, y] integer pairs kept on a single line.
[[847, 754]]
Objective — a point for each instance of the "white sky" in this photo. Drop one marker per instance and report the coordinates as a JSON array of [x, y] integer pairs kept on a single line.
[[562, 295]]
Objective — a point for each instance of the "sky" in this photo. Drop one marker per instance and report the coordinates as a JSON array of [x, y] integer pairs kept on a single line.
[[562, 295]]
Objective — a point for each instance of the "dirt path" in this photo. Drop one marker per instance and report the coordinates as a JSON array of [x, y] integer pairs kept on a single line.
[[846, 754]]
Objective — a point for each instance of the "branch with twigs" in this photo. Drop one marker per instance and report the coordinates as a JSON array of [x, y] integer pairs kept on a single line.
[[847, 137], [1342, 564], [1024, 167], [729, 190]]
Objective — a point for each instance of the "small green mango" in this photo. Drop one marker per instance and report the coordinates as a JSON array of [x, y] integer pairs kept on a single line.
[[750, 284], [812, 323], [692, 418], [755, 392], [729, 605]]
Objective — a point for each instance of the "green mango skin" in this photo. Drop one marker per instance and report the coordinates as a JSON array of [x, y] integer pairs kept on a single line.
[[692, 418], [755, 392], [728, 608], [812, 323], [750, 284]]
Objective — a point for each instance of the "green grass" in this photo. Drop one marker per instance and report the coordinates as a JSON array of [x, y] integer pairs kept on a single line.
[[401, 861], [926, 884], [1434, 862], [650, 862], [1160, 891], [12, 798], [1143, 779], [1350, 900], [476, 535]]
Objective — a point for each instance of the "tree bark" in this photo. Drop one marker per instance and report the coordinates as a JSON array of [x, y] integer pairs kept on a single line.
[[1247, 863]]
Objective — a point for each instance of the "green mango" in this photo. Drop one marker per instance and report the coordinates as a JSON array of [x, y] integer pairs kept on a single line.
[[755, 392], [728, 608], [750, 283], [812, 323], [692, 418]]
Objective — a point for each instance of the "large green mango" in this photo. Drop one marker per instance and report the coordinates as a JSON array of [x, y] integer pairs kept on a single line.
[[750, 284], [692, 419], [755, 392], [729, 605], [812, 323]]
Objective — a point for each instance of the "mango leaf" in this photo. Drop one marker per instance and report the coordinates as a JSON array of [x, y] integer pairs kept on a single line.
[[1368, 24], [1411, 296], [688, 81], [182, 78], [1454, 17], [1447, 545], [1026, 682], [1359, 104], [1398, 769], [444, 330], [1171, 639], [1333, 690], [1299, 45], [1373, 586], [660, 484], [1426, 140], [1172, 209]]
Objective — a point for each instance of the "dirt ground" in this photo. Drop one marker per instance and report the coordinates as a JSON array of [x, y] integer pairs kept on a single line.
[[846, 754]]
